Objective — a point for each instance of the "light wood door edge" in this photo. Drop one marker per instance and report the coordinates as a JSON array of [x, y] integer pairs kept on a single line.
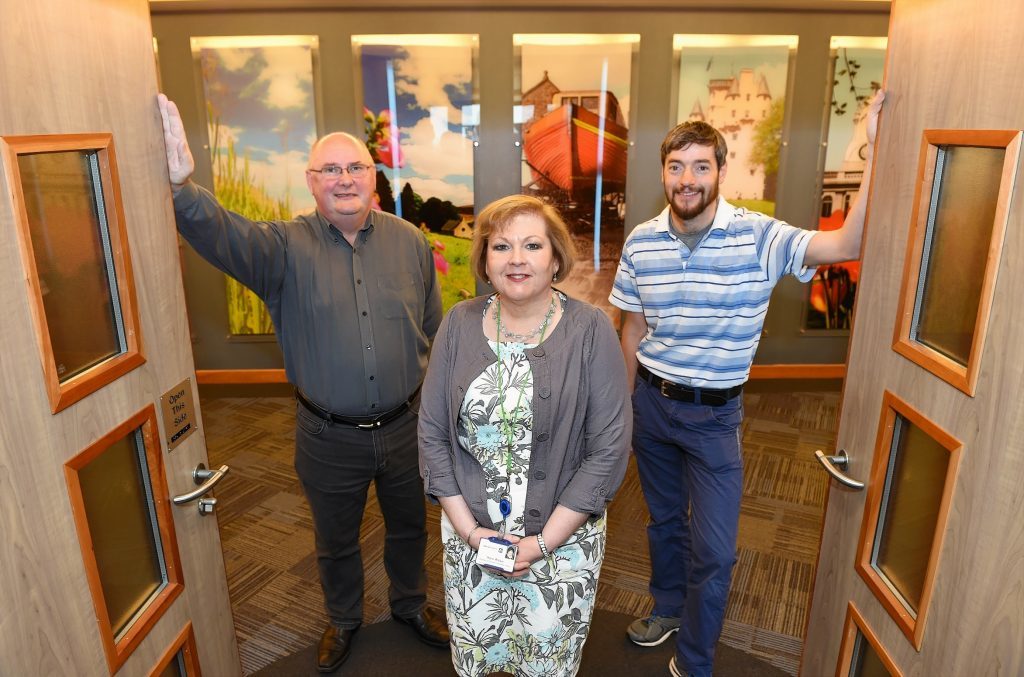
[[757, 372]]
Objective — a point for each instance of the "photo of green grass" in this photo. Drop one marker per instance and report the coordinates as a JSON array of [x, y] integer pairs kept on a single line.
[[260, 118], [458, 283]]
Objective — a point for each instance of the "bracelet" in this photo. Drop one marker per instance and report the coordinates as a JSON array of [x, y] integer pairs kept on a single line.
[[469, 536], [543, 546]]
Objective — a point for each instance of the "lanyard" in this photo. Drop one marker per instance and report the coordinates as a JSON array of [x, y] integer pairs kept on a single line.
[[505, 503]]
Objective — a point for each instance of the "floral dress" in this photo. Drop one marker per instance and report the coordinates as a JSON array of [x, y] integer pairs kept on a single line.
[[537, 624]]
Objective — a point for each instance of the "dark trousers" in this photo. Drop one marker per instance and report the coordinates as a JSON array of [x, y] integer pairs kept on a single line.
[[691, 471], [336, 464]]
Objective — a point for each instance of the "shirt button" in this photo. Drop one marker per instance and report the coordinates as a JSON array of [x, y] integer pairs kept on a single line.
[[367, 347], [359, 281], [371, 378], [364, 313], [535, 513], [539, 475], [542, 438]]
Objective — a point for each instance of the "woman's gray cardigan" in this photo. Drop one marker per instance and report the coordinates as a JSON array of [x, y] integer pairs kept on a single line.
[[582, 417]]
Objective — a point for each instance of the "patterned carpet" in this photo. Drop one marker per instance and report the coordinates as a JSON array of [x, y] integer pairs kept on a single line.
[[268, 541]]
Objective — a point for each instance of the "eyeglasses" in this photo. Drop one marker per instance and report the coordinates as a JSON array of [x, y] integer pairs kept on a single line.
[[356, 170]]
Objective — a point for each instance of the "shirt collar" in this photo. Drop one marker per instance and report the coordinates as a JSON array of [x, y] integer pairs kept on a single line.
[[327, 225]]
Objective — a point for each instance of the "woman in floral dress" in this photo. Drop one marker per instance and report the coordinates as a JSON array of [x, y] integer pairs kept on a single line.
[[524, 431]]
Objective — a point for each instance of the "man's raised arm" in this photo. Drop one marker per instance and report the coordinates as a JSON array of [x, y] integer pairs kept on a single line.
[[180, 164], [843, 244]]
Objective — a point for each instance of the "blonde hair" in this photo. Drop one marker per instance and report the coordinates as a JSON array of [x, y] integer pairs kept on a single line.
[[496, 216]]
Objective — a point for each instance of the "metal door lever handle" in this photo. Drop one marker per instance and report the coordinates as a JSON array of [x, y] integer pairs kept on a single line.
[[835, 465], [207, 479]]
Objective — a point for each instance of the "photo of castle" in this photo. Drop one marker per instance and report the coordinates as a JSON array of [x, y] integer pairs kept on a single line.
[[737, 84]]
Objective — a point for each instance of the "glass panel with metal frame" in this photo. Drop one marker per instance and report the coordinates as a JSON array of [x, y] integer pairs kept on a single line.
[[961, 208], [865, 662], [958, 232], [914, 483], [176, 668], [119, 498], [64, 205], [119, 505]]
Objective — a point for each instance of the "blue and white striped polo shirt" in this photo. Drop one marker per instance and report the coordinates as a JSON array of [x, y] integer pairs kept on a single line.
[[705, 308]]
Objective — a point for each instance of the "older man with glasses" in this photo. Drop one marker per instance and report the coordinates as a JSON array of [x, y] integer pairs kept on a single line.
[[354, 299]]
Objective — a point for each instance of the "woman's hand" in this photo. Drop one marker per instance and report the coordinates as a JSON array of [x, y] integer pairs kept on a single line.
[[479, 533], [529, 552]]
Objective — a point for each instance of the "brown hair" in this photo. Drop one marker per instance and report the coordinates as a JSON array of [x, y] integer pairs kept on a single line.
[[496, 216], [694, 131]]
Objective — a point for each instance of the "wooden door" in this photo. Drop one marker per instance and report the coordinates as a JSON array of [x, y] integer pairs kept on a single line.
[[922, 572], [82, 145]]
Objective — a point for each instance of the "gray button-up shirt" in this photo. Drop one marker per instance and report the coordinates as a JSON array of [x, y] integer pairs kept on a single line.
[[355, 323]]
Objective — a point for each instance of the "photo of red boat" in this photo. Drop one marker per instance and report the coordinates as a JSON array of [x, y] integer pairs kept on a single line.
[[570, 146], [575, 144]]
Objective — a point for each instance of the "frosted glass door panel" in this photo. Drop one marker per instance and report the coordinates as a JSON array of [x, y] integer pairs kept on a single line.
[[960, 221], [65, 210]]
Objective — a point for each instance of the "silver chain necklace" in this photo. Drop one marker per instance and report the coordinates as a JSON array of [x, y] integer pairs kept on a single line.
[[512, 336]]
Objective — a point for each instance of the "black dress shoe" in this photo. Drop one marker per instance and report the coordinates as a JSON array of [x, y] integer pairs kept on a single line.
[[335, 646], [430, 627]]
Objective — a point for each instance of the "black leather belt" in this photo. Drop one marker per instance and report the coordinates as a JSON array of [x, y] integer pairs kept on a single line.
[[361, 422], [676, 391]]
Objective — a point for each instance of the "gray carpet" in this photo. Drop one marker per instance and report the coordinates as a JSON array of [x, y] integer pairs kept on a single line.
[[388, 649]]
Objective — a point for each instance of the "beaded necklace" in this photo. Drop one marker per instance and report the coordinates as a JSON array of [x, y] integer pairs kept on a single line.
[[505, 503], [522, 338]]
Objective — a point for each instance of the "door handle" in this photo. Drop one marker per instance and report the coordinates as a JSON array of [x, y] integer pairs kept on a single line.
[[206, 479], [834, 466]]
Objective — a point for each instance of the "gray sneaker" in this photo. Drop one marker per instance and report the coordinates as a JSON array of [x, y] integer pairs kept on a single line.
[[675, 670], [653, 630]]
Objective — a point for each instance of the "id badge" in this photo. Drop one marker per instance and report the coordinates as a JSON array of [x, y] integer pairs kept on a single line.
[[497, 554]]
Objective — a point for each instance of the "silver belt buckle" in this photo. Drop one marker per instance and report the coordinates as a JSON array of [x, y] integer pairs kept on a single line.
[[368, 426], [664, 388]]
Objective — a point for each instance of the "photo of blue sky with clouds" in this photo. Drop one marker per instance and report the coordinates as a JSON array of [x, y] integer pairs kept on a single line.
[[433, 93], [262, 99]]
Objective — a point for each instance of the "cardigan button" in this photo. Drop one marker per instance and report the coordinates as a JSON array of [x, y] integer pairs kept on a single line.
[[543, 437], [535, 513], [544, 392], [538, 352], [539, 475]]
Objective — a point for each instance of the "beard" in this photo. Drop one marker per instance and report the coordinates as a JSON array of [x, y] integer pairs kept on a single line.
[[708, 196]]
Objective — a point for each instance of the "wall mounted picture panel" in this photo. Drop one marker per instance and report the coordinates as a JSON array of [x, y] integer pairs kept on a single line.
[[421, 116], [259, 100], [738, 84], [572, 122], [856, 74]]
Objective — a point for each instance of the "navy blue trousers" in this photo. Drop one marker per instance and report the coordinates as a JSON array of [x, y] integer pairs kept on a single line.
[[691, 472], [336, 464]]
